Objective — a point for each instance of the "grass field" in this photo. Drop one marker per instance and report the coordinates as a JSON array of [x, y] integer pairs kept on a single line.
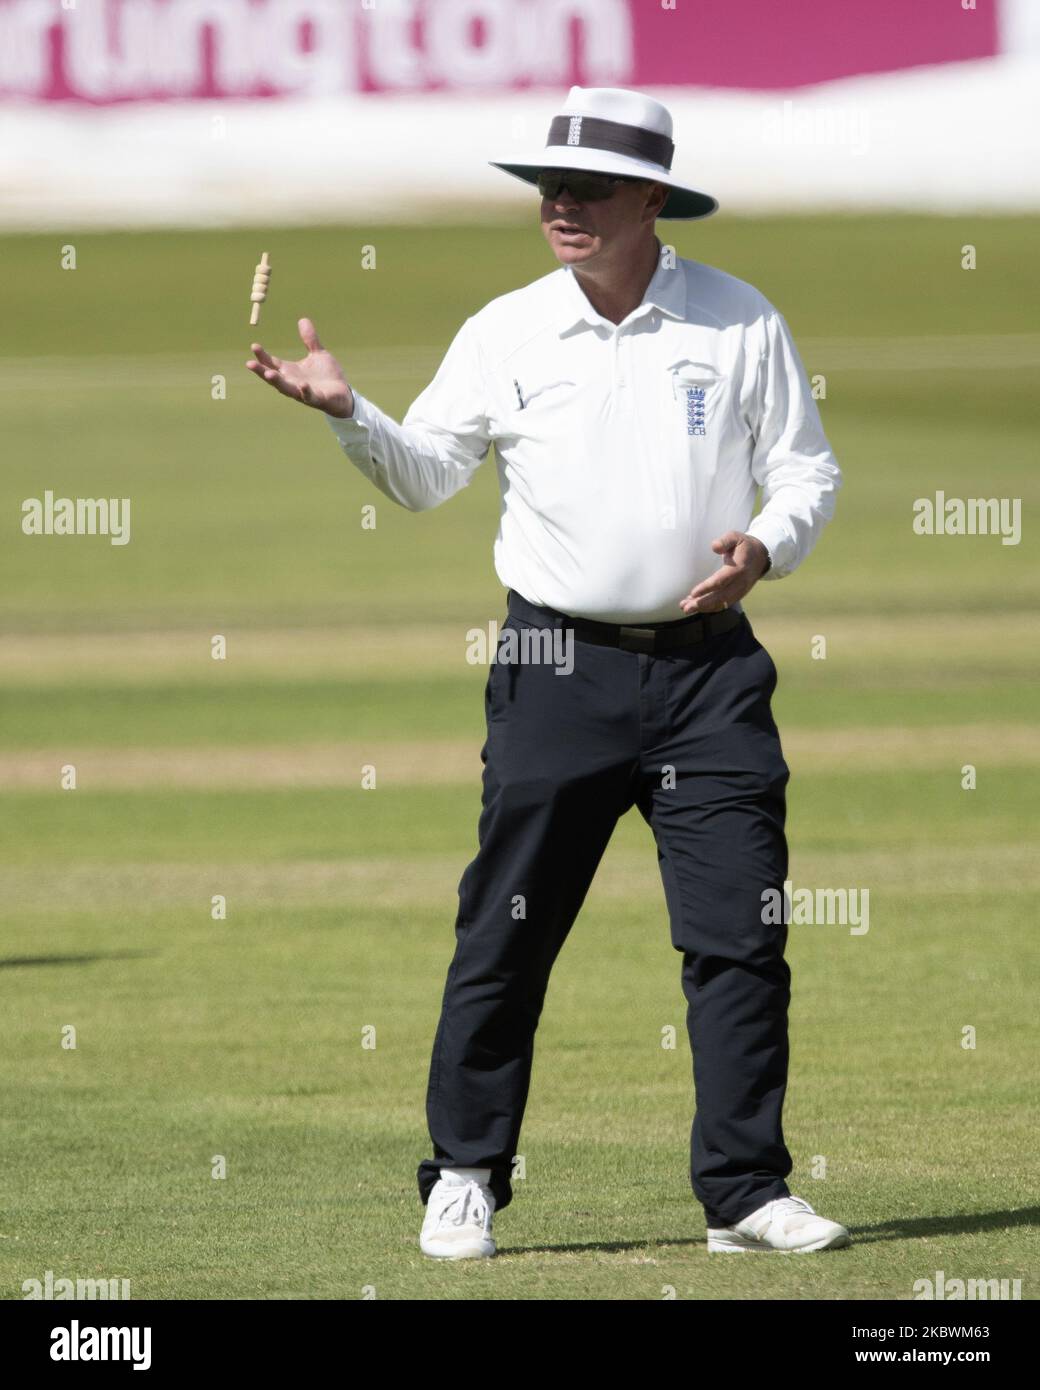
[[242, 1037]]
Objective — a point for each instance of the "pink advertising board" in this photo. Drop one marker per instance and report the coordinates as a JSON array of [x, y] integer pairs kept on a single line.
[[109, 51]]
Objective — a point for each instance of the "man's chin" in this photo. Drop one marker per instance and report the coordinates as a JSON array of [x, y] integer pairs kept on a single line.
[[572, 253]]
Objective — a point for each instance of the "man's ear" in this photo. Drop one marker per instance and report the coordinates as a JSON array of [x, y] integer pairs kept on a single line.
[[656, 198]]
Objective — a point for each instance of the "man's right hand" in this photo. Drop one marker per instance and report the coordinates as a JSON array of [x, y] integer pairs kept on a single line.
[[317, 379]]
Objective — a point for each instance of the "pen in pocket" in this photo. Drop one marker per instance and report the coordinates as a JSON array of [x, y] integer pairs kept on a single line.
[[519, 394]]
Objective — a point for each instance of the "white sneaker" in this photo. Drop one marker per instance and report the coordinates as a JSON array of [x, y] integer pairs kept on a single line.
[[787, 1223], [457, 1225]]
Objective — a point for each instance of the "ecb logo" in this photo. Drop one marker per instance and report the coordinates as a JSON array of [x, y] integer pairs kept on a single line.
[[695, 410]]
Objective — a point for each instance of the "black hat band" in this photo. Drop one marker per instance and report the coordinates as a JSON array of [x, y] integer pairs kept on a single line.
[[592, 132]]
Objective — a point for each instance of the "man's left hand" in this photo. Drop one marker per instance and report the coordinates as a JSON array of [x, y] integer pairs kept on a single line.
[[744, 561]]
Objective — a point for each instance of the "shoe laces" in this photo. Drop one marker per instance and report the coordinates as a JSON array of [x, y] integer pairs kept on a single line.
[[466, 1206], [784, 1206]]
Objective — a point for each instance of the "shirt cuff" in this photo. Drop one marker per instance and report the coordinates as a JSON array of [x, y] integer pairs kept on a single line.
[[355, 428], [783, 555]]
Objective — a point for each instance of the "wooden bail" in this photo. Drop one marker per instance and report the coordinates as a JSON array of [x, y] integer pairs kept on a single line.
[[261, 280]]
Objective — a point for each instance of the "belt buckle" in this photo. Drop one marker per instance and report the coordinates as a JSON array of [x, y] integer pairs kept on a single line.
[[637, 639]]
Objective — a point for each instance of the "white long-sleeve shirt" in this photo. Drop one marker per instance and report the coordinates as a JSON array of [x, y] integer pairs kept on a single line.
[[623, 450]]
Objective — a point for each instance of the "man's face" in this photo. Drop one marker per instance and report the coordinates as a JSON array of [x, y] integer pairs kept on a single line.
[[580, 232]]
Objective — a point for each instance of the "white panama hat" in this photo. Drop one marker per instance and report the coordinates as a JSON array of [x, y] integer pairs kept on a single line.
[[607, 130]]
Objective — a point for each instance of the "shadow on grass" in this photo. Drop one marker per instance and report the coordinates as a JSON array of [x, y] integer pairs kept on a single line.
[[611, 1246], [15, 962], [956, 1224], [909, 1229]]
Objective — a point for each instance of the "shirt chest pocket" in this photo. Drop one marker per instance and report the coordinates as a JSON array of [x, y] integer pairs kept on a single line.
[[539, 394], [540, 407], [697, 391]]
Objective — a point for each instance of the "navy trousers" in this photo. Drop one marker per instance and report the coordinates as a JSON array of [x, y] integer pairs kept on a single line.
[[689, 738]]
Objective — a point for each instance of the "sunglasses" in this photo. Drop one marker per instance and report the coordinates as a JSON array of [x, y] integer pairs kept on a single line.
[[586, 188]]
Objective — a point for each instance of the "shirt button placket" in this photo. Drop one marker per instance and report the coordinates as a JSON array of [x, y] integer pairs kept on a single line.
[[621, 370]]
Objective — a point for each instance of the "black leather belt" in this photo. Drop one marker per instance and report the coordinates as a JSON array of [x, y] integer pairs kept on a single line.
[[653, 639]]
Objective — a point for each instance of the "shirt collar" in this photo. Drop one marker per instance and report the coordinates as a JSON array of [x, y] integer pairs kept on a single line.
[[666, 292]]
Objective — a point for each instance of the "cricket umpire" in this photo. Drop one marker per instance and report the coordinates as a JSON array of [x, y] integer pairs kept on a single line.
[[638, 402]]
